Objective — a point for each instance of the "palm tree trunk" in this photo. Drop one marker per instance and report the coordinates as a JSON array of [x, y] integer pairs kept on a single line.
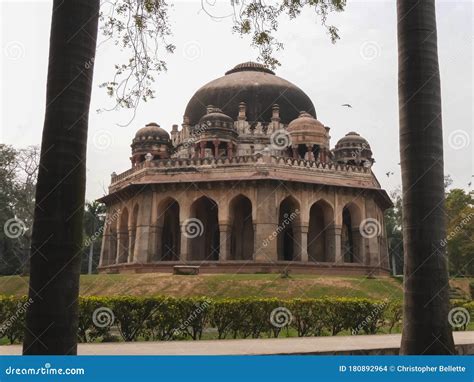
[[426, 300], [56, 249]]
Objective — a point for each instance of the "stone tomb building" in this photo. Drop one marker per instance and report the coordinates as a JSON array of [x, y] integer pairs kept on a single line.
[[250, 183]]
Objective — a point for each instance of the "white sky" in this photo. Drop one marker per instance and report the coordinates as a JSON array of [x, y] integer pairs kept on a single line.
[[361, 69]]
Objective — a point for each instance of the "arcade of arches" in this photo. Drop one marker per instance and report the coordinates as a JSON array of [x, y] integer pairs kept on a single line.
[[214, 228]]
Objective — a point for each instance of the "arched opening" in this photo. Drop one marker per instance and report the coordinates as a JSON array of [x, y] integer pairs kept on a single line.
[[242, 235], [123, 239], [350, 235], [288, 219], [133, 232], [321, 216], [204, 240], [168, 225], [112, 249]]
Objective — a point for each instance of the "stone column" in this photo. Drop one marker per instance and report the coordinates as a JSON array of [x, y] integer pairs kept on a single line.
[[242, 111], [301, 243], [105, 249], [224, 250], [266, 223], [131, 245], [202, 146], [230, 148], [334, 237], [120, 248], [216, 148], [330, 243], [294, 150], [141, 251], [184, 255]]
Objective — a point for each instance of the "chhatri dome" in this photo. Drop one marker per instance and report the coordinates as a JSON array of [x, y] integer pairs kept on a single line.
[[249, 183]]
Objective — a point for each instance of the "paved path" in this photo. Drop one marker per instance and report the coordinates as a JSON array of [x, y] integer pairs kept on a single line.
[[375, 344]]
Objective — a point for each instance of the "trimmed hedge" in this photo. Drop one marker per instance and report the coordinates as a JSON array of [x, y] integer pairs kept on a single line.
[[168, 318]]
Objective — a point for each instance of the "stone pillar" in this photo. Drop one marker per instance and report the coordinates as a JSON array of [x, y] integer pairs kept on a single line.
[[301, 243], [294, 150], [334, 235], [131, 245], [266, 223], [202, 146], [141, 252], [230, 149], [242, 111], [225, 233], [275, 113], [309, 151], [330, 243], [216, 148], [120, 247], [184, 255], [105, 249]]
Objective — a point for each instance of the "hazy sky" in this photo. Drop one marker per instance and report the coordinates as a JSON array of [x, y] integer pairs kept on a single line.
[[361, 69]]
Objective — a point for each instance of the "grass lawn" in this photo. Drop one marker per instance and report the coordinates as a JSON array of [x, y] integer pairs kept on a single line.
[[226, 285]]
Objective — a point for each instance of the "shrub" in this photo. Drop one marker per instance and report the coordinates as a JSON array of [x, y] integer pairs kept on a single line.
[[168, 318], [12, 317]]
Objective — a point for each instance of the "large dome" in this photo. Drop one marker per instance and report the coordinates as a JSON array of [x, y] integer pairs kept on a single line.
[[255, 85]]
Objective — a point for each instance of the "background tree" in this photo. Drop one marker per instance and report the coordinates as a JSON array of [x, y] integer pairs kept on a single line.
[[94, 219], [393, 224], [426, 287], [18, 174], [460, 232]]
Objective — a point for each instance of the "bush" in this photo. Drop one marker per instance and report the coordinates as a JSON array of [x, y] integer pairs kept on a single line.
[[12, 317], [167, 318]]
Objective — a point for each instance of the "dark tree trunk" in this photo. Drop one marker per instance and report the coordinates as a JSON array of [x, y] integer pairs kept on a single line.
[[56, 249], [426, 302]]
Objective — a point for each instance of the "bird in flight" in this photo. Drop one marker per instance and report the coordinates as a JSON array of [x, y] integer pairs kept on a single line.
[[347, 105]]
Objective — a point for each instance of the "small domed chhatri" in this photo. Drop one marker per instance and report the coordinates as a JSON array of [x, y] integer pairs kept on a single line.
[[353, 149], [309, 138], [248, 184], [151, 139]]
